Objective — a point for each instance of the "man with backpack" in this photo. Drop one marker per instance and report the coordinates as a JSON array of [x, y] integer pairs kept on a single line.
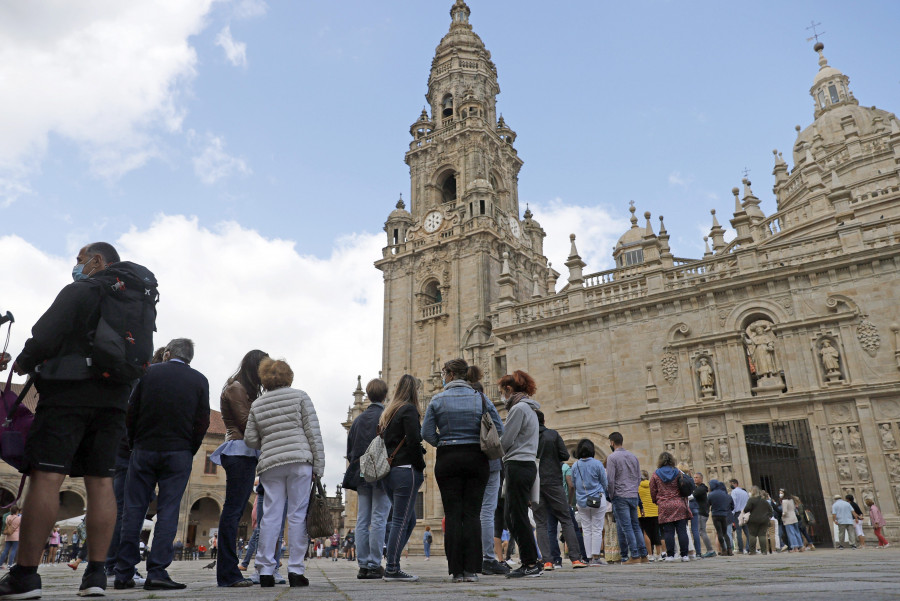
[[83, 353]]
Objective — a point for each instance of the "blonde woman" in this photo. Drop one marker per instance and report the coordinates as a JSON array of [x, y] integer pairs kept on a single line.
[[284, 426]]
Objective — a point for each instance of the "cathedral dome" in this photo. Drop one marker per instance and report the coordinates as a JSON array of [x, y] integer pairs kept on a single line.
[[633, 235], [400, 212]]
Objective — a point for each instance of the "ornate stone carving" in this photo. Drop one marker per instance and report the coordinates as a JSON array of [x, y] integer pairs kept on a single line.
[[684, 452], [707, 378], [670, 448], [843, 465], [837, 440], [888, 442], [675, 430], [709, 451], [862, 468], [840, 413], [868, 336], [856, 443], [669, 364], [887, 409], [760, 341], [897, 493], [831, 361], [727, 473], [713, 474], [724, 451], [894, 466], [713, 426]]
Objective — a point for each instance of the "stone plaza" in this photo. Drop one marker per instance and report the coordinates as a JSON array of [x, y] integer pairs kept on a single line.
[[818, 575]]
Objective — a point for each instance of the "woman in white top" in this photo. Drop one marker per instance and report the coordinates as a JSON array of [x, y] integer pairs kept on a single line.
[[789, 519]]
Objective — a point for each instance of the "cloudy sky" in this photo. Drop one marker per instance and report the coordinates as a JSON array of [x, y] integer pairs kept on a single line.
[[249, 152]]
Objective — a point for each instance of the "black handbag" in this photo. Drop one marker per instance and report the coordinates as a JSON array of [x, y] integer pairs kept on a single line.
[[591, 501], [319, 521]]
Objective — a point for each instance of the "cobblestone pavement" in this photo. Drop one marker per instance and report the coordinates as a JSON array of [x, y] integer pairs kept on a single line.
[[868, 575]]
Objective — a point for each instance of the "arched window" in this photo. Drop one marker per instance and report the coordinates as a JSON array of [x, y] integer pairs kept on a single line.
[[432, 293], [448, 188], [447, 106]]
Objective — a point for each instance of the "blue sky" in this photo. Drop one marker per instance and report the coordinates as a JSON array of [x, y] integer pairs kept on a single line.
[[249, 152]]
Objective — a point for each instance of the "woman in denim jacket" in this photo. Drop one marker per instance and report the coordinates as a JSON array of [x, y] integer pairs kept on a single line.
[[453, 424]]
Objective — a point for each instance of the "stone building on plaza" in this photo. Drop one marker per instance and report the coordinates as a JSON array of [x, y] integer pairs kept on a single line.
[[773, 358]]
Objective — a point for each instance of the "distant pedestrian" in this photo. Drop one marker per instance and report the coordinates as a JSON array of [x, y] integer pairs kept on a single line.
[[759, 516], [648, 517], [590, 481], [427, 539], [11, 533], [842, 515], [699, 504], [673, 508], [878, 523], [721, 507], [740, 497], [624, 472], [857, 521]]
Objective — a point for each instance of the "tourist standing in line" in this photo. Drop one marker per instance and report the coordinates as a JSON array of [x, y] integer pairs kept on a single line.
[[490, 564], [857, 521], [789, 519], [284, 426], [453, 424], [167, 419], [552, 452], [699, 505], [590, 484], [520, 444], [721, 507], [648, 517], [760, 516], [11, 533], [878, 522], [239, 462], [673, 508], [740, 497], [624, 473], [401, 428], [373, 502], [842, 514], [803, 523]]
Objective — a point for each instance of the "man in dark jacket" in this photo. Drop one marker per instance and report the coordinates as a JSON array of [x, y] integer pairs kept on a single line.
[[721, 506], [373, 502], [167, 419], [552, 452], [699, 503], [79, 422]]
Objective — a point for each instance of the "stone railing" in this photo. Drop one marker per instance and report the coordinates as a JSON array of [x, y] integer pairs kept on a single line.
[[541, 309], [798, 252], [615, 292], [698, 272], [432, 310]]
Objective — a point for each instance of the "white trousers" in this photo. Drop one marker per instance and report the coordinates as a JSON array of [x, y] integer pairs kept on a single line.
[[291, 481], [592, 527]]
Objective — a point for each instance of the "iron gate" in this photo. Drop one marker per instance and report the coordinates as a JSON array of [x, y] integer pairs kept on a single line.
[[781, 456]]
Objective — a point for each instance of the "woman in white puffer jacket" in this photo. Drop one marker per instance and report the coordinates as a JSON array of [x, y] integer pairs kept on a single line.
[[283, 424]]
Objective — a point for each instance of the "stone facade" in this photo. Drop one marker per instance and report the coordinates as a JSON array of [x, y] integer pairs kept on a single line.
[[782, 340]]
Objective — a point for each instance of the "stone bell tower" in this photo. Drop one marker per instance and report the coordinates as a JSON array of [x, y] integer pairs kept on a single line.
[[444, 256]]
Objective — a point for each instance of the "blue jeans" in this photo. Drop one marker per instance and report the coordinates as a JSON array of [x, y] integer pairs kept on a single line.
[[793, 532], [119, 492], [403, 484], [631, 537], [488, 508], [8, 555], [373, 506], [240, 472], [427, 549], [170, 470], [742, 541], [669, 530]]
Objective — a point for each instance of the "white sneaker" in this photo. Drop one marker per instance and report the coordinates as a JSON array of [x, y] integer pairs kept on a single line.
[[669, 559], [685, 558], [279, 579], [651, 557]]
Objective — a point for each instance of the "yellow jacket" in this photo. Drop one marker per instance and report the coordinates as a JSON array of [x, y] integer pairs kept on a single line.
[[650, 508]]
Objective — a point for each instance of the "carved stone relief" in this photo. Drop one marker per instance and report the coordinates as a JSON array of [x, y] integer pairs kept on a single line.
[[676, 430], [724, 451], [886, 409], [843, 465], [684, 452], [709, 451], [669, 364], [713, 474], [856, 443], [837, 440], [862, 468], [713, 426], [867, 334], [727, 473], [888, 442], [839, 413], [894, 466]]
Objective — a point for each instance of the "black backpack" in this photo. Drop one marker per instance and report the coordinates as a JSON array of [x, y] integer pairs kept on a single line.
[[123, 341], [685, 484]]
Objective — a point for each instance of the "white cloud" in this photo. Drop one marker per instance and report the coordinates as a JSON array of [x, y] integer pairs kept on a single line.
[[676, 179], [101, 74], [214, 163], [11, 188], [246, 9], [596, 233], [232, 290], [235, 52]]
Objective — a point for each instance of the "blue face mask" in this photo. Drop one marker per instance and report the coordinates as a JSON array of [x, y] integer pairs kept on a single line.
[[78, 272]]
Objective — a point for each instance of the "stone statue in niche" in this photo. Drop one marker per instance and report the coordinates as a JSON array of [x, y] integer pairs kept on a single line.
[[837, 440], [887, 437], [843, 465], [862, 468], [831, 361], [897, 492], [760, 343], [709, 451], [855, 437], [724, 452], [684, 450], [670, 448], [727, 474], [713, 474], [894, 466], [707, 378]]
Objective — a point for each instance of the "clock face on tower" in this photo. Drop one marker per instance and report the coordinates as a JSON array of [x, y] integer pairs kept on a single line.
[[514, 226], [433, 221]]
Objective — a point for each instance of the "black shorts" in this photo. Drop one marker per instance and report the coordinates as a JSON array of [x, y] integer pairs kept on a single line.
[[650, 526], [76, 441]]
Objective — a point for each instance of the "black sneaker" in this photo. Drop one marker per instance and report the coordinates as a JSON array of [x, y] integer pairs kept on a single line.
[[93, 584], [399, 576], [362, 574], [375, 573], [297, 580], [121, 585], [266, 581], [526, 572], [491, 567], [20, 586]]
